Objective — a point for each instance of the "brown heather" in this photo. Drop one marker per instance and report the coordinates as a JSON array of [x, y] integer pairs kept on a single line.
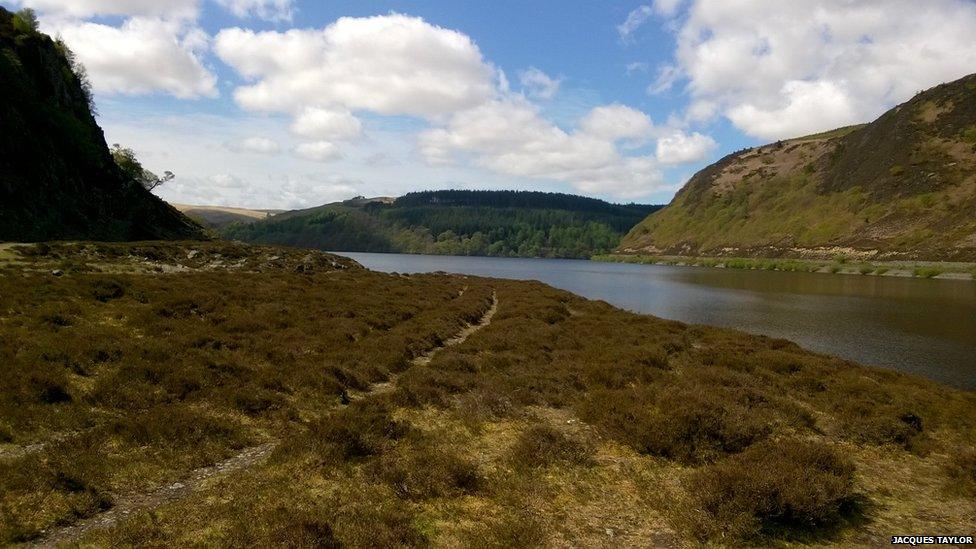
[[563, 421]]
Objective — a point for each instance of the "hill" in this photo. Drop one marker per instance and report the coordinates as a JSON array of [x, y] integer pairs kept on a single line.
[[217, 217], [489, 223], [900, 188], [57, 178], [217, 394]]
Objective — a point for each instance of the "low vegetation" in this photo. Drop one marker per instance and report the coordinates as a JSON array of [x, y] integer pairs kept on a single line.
[[561, 422], [778, 488], [837, 265]]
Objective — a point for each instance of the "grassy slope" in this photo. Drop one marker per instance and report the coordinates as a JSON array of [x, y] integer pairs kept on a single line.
[[216, 217], [902, 187], [561, 421], [454, 222]]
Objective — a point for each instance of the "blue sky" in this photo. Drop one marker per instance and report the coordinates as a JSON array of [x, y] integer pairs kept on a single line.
[[293, 103]]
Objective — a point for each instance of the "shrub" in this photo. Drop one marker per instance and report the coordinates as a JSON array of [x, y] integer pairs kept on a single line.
[[105, 290], [193, 435], [927, 272], [72, 479], [877, 424], [25, 21], [422, 471], [962, 471], [369, 517], [783, 487], [282, 526], [365, 428], [686, 425], [541, 445], [517, 526], [969, 134]]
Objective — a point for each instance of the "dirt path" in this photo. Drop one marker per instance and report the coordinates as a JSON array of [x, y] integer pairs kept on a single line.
[[126, 505], [461, 336], [14, 452], [389, 385]]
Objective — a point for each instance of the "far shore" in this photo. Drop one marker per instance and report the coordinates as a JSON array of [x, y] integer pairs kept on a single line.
[[911, 269]]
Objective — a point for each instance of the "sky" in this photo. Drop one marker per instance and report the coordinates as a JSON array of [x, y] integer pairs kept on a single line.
[[296, 103]]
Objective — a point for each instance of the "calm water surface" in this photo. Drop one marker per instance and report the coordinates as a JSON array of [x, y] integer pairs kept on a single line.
[[926, 327]]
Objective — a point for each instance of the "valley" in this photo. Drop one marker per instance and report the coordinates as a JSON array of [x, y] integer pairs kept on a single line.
[[487, 368]]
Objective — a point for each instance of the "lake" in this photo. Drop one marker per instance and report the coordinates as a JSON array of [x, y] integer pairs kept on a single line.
[[925, 327]]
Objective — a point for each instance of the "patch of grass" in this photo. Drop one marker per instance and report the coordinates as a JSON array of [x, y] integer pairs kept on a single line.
[[419, 471], [962, 471], [969, 134], [541, 445], [927, 272]]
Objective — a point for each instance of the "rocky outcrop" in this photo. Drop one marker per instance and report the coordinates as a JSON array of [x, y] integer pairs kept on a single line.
[[57, 178]]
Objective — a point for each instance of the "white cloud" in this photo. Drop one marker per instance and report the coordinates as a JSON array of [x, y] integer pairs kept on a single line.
[[324, 124], [636, 66], [269, 10], [142, 56], [807, 107], [614, 122], [539, 84], [260, 145], [200, 149], [319, 151], [509, 136], [390, 64], [635, 20], [279, 191], [666, 8], [88, 8], [781, 69], [681, 148], [666, 77]]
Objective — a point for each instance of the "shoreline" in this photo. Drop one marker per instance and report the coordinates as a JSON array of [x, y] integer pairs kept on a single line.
[[902, 269]]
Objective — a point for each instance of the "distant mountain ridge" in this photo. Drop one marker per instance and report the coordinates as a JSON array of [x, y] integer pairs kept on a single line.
[[216, 217], [57, 178], [457, 222], [902, 187]]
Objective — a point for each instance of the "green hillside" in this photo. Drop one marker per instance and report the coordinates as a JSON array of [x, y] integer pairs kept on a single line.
[[57, 178], [488, 223], [900, 188]]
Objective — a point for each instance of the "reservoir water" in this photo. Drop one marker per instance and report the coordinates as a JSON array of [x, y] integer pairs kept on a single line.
[[925, 327]]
